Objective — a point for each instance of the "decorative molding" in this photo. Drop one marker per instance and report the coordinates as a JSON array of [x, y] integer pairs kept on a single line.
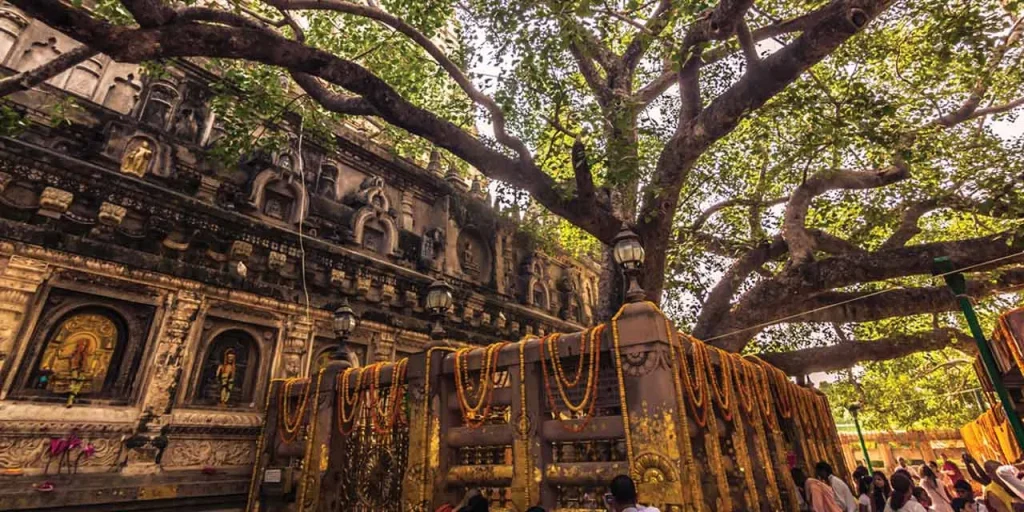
[[209, 452]]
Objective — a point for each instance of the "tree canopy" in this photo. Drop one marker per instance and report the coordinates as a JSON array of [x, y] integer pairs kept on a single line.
[[792, 168]]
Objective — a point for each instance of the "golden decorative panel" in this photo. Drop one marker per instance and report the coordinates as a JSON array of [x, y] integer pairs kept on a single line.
[[78, 355]]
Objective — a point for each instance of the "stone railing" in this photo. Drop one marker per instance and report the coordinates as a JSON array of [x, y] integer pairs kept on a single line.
[[546, 421]]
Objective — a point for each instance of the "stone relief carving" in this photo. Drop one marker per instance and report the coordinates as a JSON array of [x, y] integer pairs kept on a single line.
[[85, 77], [31, 452], [210, 452], [111, 214], [123, 94], [18, 282], [11, 25], [55, 200], [182, 310], [137, 156], [39, 53]]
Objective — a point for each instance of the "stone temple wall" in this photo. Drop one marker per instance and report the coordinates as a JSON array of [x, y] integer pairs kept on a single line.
[[149, 294]]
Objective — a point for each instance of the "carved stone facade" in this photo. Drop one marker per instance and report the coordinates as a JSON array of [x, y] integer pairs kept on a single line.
[[149, 294]]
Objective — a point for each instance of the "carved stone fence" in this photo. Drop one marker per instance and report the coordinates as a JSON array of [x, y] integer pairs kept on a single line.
[[546, 421]]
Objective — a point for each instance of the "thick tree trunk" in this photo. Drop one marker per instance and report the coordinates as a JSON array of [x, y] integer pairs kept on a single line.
[[610, 289]]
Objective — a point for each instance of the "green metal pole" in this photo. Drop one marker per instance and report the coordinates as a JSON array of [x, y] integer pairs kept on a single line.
[[957, 283], [863, 447]]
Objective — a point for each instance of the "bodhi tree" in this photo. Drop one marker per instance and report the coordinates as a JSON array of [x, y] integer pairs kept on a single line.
[[792, 168]]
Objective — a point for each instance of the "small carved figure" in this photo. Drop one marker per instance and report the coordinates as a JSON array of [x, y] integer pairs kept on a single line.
[[226, 376], [136, 161], [186, 126]]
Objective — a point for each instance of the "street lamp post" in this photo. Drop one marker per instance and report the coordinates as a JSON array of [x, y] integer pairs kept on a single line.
[[345, 321], [854, 409], [629, 254], [439, 301], [955, 281]]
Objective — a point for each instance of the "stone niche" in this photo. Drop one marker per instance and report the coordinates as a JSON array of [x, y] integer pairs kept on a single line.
[[85, 349], [231, 366], [474, 255]]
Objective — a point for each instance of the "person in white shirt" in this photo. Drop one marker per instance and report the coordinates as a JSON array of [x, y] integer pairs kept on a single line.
[[622, 496], [844, 497], [902, 498], [1008, 474]]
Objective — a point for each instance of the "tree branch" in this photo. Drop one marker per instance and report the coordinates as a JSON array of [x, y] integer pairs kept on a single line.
[[908, 227], [453, 70], [748, 45], [660, 84], [760, 304], [843, 19], [149, 13], [643, 39], [729, 203], [33, 77], [581, 169], [794, 229], [849, 353], [716, 304], [970, 105]]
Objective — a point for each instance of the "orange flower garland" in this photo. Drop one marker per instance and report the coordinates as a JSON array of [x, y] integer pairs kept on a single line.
[[587, 404], [474, 416], [290, 423], [696, 384], [722, 390], [742, 376], [347, 400]]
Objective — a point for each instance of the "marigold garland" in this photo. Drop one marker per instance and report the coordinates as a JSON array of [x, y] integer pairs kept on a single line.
[[349, 400], [588, 403], [290, 423], [721, 389], [696, 384], [742, 377], [474, 416]]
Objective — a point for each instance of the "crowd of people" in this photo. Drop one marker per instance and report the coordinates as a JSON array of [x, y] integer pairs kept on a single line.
[[987, 487]]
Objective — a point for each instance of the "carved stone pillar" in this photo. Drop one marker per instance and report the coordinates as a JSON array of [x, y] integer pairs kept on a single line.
[[298, 334], [19, 280], [383, 347], [183, 307]]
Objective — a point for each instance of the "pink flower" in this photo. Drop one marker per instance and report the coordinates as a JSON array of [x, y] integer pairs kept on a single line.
[[57, 447]]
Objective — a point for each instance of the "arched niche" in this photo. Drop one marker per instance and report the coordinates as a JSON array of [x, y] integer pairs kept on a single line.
[[373, 226], [11, 26], [278, 198], [160, 104], [286, 161], [538, 294], [138, 156], [229, 370], [474, 254], [81, 354], [327, 181], [375, 230], [85, 77]]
